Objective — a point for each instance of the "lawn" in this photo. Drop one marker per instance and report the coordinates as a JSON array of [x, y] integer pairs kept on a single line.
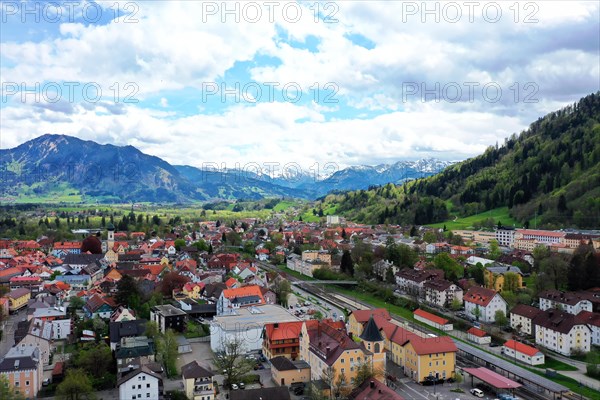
[[497, 214], [557, 365], [284, 205]]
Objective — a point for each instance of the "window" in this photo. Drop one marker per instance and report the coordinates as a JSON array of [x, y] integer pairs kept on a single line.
[[26, 383], [148, 385], [147, 394]]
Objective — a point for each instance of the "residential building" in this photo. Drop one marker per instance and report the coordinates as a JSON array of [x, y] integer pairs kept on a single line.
[[494, 276], [372, 389], [381, 267], [411, 281], [529, 239], [310, 261], [245, 296], [482, 304], [18, 299], [521, 352], [141, 383], [39, 334], [442, 292], [272, 393], [505, 236], [429, 358], [432, 320], [282, 339], [521, 318], [98, 306], [197, 382], [478, 336], [331, 351], [571, 302], [168, 316], [562, 332], [122, 329], [593, 322], [284, 371], [134, 352], [246, 324], [23, 369]]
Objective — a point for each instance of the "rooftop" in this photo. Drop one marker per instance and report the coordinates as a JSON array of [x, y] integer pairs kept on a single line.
[[254, 317]]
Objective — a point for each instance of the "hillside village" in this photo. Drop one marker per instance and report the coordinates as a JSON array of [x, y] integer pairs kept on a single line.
[[124, 314]]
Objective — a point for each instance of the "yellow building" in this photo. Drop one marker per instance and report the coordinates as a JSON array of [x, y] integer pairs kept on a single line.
[[359, 318], [18, 299], [197, 382], [334, 357], [429, 358], [494, 276], [285, 371], [193, 290]]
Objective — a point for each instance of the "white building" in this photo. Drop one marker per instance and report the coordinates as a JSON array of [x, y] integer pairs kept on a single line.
[[571, 302], [593, 322], [442, 292], [505, 236], [61, 329], [521, 352], [246, 325], [521, 318], [562, 332], [141, 383], [478, 336], [482, 304]]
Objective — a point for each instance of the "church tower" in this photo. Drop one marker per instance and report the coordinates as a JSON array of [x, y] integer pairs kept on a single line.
[[373, 342]]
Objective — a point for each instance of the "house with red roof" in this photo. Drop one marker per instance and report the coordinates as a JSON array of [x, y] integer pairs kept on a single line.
[[432, 320], [282, 339], [521, 352], [478, 336], [245, 296], [482, 303], [359, 318]]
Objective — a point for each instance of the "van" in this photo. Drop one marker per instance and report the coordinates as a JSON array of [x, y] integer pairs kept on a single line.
[[476, 392]]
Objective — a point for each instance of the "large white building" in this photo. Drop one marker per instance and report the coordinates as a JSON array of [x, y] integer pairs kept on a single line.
[[246, 324], [442, 292], [141, 383], [521, 318], [482, 304], [562, 332], [571, 302], [505, 236]]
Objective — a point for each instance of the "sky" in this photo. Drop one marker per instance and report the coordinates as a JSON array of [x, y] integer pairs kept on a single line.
[[352, 82]]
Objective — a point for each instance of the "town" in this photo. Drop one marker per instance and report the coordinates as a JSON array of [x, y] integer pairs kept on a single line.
[[280, 308]]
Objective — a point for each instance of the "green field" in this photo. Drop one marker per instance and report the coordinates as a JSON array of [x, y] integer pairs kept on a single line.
[[284, 205], [498, 214]]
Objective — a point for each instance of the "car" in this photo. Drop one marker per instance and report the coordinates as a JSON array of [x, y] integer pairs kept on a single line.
[[242, 385], [46, 382], [476, 392], [234, 386], [299, 391]]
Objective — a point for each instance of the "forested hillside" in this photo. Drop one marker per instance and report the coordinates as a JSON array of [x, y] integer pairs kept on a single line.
[[550, 173]]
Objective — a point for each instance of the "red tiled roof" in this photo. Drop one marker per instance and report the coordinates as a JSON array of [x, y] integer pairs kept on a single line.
[[430, 316], [477, 332], [363, 316], [479, 295], [521, 348], [430, 345], [283, 330], [491, 377]]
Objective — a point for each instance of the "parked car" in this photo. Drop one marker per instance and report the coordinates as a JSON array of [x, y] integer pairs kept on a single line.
[[242, 385], [234, 386], [46, 382], [476, 392]]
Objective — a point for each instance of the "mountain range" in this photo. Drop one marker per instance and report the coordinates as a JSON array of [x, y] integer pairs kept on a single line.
[[547, 176], [63, 168]]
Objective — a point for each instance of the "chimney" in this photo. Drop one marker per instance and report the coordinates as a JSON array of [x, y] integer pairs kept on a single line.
[[372, 384], [327, 349]]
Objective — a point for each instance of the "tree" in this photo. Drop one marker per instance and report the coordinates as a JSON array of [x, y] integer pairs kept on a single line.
[[7, 391], [127, 291], [365, 372], [452, 269], [171, 281], [553, 271], [346, 264], [430, 237], [413, 231], [477, 312], [500, 318], [401, 255], [476, 272], [167, 351], [179, 244], [389, 275], [230, 360], [457, 379], [456, 304], [75, 386], [94, 360], [511, 282], [152, 330], [494, 251], [282, 289]]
